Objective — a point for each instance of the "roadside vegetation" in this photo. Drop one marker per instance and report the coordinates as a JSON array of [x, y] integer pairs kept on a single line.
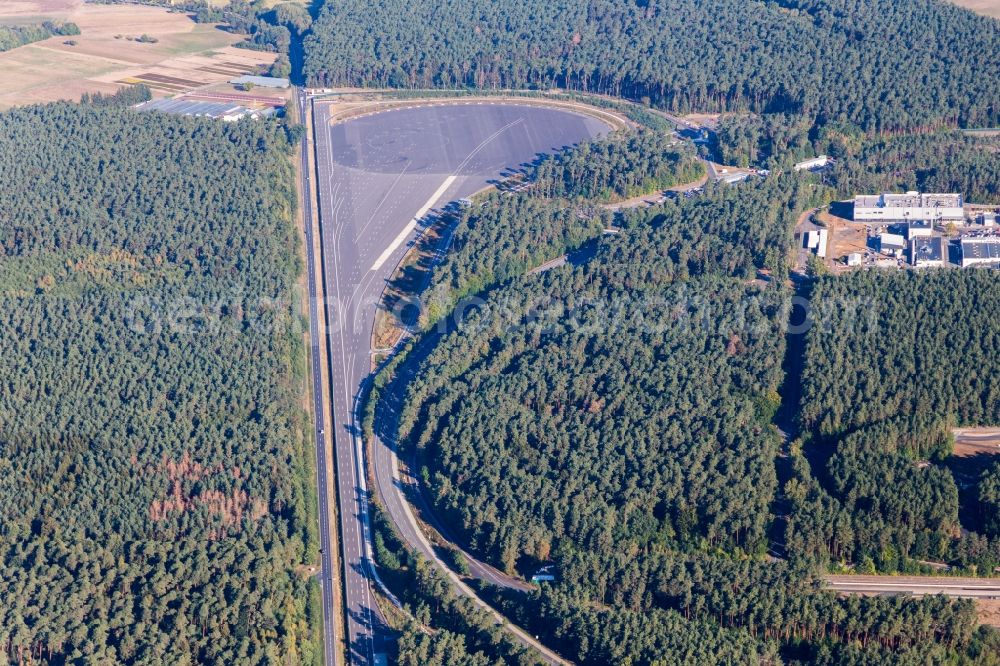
[[154, 500], [442, 628]]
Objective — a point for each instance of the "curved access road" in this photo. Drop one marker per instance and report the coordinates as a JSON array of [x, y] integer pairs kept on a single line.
[[378, 177], [400, 493]]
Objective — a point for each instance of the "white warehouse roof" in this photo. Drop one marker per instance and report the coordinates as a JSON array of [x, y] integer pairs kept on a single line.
[[891, 241], [262, 81]]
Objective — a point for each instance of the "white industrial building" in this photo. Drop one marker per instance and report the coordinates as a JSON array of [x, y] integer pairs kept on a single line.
[[733, 178], [928, 252], [919, 229], [821, 246], [817, 162], [906, 207], [261, 81], [982, 250], [891, 244], [987, 219], [854, 259], [817, 240]]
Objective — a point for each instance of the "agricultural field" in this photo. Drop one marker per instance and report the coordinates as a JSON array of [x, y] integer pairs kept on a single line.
[[985, 7], [106, 55]]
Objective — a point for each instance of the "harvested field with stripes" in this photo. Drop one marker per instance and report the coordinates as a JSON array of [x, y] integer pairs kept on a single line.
[[107, 54]]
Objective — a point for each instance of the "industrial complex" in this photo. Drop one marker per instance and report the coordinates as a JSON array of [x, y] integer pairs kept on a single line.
[[909, 206], [913, 229]]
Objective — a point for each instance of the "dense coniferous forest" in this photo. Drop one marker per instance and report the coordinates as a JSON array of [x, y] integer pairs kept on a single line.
[[706, 609], [908, 343], [154, 500], [122, 97], [492, 243], [940, 162], [563, 419], [894, 361], [876, 64], [989, 501], [623, 165], [579, 398], [579, 378], [749, 139]]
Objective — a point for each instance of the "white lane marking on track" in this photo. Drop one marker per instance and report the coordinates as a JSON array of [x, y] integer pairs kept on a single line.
[[412, 224], [384, 198]]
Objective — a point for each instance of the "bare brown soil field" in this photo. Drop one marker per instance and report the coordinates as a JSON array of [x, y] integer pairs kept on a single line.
[[104, 58], [986, 7], [709, 120], [988, 611], [28, 11], [977, 441]]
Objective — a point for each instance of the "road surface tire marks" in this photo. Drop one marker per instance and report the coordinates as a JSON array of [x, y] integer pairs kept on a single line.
[[373, 174]]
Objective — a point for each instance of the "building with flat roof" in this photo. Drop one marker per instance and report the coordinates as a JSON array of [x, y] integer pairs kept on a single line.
[[817, 162], [824, 236], [928, 251], [919, 228], [227, 111], [854, 259], [982, 250], [733, 178], [262, 81], [892, 244], [910, 206]]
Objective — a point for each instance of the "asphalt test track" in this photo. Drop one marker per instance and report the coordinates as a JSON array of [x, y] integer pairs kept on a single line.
[[375, 173]]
